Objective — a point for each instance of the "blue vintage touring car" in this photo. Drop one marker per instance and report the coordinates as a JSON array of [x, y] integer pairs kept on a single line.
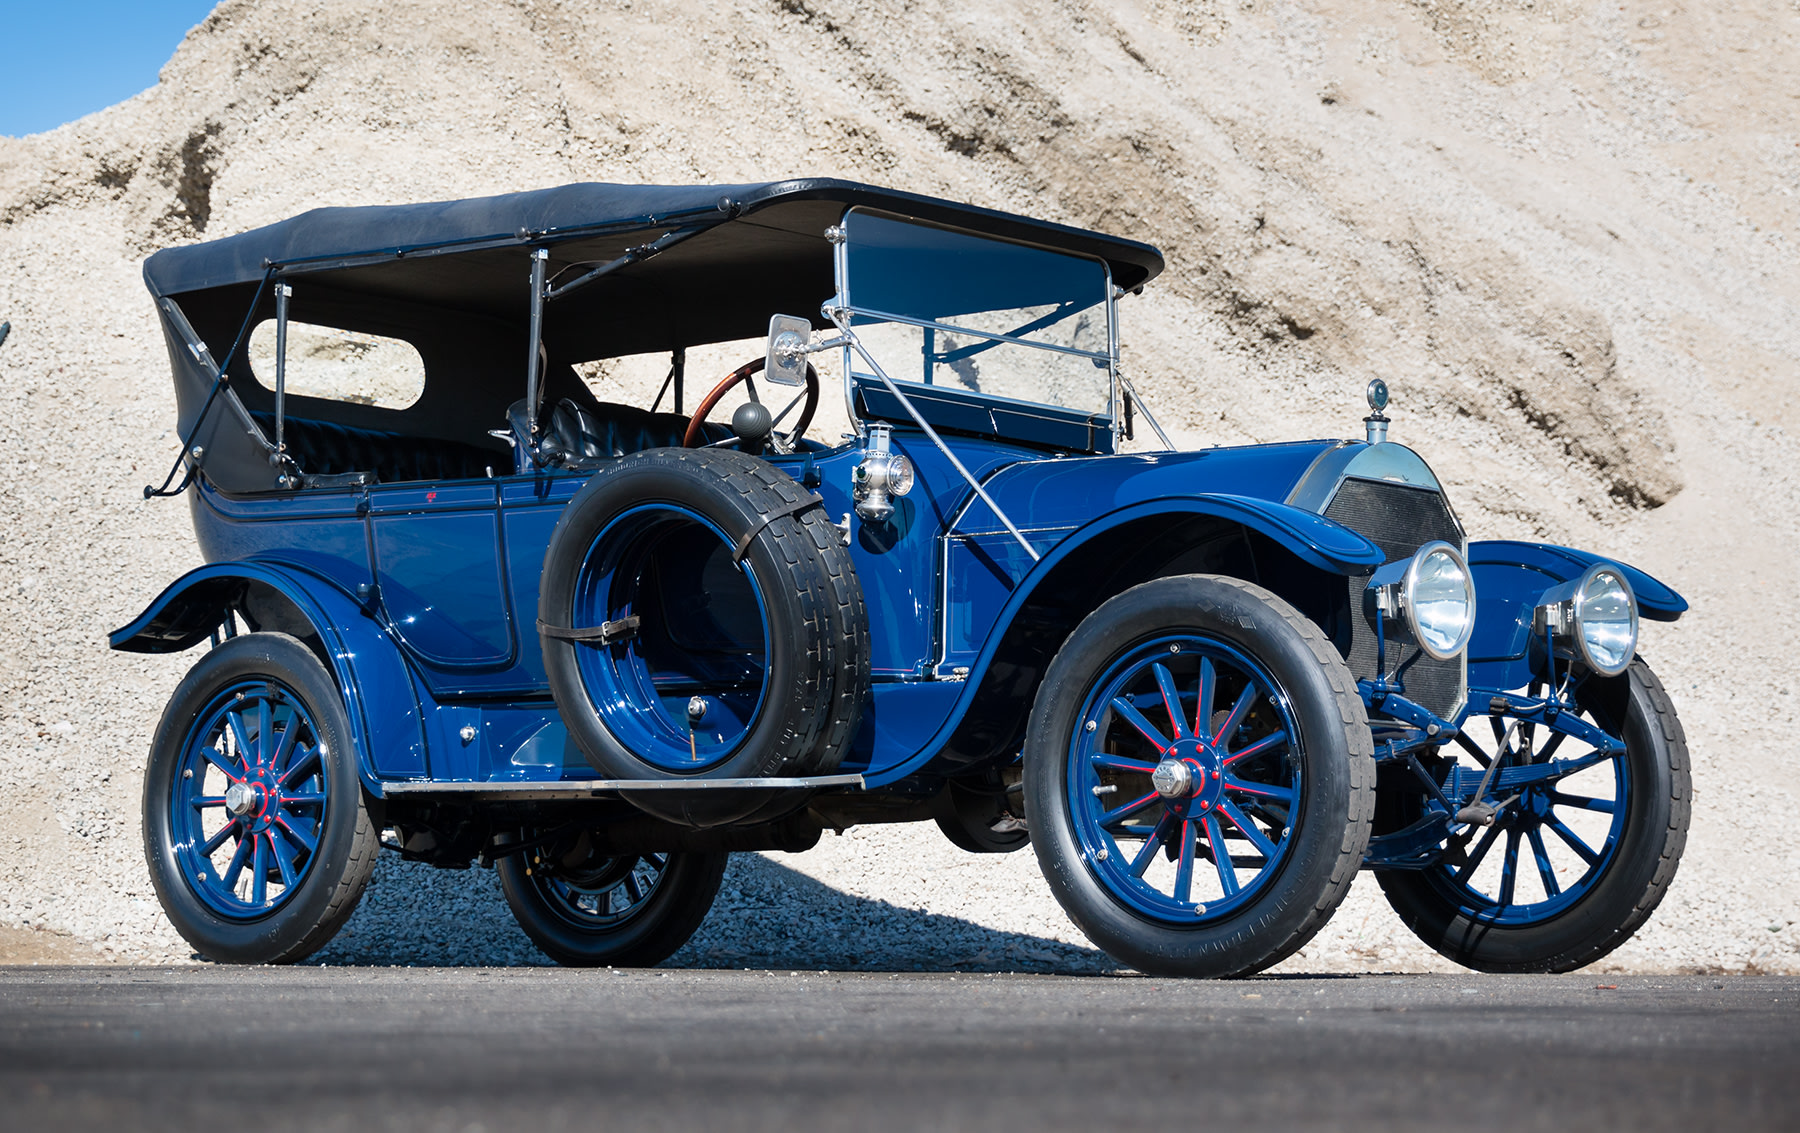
[[598, 646]]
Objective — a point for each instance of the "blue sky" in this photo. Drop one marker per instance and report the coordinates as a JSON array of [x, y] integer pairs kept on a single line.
[[61, 59]]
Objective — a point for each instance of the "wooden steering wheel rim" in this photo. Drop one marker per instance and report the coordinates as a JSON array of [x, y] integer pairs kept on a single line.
[[695, 437]]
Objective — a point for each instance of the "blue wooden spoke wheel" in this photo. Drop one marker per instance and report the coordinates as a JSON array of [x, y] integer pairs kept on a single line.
[[586, 910], [256, 832], [1198, 777], [1186, 769], [1572, 865]]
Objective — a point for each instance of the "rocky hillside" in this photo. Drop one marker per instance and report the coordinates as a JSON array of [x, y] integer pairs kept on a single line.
[[1563, 233]]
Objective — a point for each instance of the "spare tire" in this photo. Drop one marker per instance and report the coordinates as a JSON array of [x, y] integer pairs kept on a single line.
[[701, 619]]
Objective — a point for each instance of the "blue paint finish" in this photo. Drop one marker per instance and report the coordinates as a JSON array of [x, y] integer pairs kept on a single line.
[[378, 689], [1656, 601], [1277, 520], [320, 532], [703, 636], [533, 747], [529, 509], [257, 733], [442, 588], [512, 743], [1511, 579], [1071, 491], [897, 561], [1060, 499], [941, 579], [981, 572], [899, 721], [1144, 707], [454, 759]]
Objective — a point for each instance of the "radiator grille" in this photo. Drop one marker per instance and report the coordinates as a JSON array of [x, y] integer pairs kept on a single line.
[[1399, 518]]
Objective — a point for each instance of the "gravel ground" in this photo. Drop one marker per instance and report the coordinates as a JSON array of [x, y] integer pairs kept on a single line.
[[1564, 235]]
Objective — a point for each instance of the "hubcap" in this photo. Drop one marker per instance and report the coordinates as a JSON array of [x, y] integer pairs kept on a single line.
[[1172, 779], [242, 798]]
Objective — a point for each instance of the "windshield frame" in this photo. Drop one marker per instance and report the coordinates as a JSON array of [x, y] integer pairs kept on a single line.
[[844, 302]]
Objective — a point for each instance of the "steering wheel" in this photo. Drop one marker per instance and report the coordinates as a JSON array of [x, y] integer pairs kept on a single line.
[[696, 434]]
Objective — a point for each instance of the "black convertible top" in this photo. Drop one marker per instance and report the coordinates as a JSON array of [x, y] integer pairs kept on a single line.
[[690, 265], [576, 220]]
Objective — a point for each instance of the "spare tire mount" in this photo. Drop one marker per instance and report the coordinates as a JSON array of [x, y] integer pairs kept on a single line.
[[700, 619]]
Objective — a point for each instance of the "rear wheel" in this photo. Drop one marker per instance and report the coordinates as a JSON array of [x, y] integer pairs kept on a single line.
[[256, 832], [627, 911], [1572, 865], [1198, 777]]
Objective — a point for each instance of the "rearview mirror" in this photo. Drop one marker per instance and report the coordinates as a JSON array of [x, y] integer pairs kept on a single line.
[[788, 339]]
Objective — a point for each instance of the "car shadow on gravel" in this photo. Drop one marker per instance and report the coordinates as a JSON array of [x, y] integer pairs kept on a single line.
[[766, 916]]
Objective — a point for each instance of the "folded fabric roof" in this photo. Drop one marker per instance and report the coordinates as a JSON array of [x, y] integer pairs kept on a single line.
[[423, 252]]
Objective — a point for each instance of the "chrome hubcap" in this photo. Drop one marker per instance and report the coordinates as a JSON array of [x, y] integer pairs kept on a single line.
[[1173, 779], [242, 798]]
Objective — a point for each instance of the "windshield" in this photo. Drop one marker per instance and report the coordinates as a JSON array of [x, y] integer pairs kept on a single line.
[[944, 308]]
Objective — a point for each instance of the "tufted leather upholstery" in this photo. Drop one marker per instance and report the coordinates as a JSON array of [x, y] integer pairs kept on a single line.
[[322, 448], [617, 430]]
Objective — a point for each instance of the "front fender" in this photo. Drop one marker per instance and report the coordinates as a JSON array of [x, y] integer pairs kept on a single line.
[[1510, 579], [997, 691], [1324, 543], [1317, 541], [378, 692]]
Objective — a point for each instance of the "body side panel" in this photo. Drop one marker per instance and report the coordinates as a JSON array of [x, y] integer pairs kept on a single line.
[[379, 693]]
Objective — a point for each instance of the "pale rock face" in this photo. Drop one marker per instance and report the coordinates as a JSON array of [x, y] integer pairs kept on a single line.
[[1563, 233]]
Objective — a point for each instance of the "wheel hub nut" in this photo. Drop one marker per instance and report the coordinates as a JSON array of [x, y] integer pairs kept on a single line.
[[242, 798], [1172, 779]]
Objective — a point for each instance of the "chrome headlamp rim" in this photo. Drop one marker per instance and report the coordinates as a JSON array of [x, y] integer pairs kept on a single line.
[[1579, 613], [1408, 587]]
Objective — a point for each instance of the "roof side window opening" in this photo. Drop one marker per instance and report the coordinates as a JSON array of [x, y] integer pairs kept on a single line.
[[946, 308], [340, 365]]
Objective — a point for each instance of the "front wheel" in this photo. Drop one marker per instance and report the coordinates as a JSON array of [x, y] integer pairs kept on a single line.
[[1572, 865], [586, 910], [256, 832], [1199, 777]]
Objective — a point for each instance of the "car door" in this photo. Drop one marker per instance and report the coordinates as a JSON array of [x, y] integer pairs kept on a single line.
[[436, 555]]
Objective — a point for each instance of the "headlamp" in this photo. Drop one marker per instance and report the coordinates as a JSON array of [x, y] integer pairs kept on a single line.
[[1597, 615], [1433, 596]]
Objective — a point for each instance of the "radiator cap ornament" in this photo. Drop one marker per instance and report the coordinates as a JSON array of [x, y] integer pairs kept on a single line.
[[1375, 423]]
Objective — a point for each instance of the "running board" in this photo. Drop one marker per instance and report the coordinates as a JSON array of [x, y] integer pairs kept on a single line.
[[603, 788]]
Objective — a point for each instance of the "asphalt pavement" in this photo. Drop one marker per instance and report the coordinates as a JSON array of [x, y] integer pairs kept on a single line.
[[487, 1050]]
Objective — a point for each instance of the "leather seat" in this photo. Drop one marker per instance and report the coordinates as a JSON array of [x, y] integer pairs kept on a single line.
[[616, 430], [333, 455], [325, 449]]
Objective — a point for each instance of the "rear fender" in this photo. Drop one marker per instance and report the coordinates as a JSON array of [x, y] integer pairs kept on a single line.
[[1298, 554], [378, 692], [1510, 580]]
